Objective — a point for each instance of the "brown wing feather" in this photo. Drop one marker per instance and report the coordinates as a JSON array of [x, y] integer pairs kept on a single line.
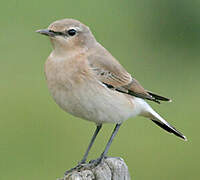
[[135, 89], [107, 68], [110, 72]]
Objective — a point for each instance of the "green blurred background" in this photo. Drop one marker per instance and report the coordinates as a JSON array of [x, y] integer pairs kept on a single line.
[[157, 41]]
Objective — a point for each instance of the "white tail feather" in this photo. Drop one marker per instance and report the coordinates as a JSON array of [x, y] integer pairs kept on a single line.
[[147, 111]]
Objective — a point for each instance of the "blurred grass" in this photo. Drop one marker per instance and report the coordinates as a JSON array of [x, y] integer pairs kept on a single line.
[[157, 41]]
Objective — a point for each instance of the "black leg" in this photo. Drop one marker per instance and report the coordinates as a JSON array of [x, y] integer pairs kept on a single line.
[[91, 143], [110, 141], [81, 164]]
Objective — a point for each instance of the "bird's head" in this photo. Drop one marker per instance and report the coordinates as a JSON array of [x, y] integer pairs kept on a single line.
[[68, 34]]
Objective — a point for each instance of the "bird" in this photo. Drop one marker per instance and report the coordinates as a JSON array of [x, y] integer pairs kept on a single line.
[[86, 81]]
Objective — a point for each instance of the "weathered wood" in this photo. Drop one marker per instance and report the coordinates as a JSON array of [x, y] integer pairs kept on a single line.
[[111, 168]]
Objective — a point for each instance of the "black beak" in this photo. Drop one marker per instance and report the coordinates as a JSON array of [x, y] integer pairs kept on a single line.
[[45, 32]]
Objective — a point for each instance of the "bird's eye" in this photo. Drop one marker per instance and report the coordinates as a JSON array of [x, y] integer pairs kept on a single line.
[[71, 32]]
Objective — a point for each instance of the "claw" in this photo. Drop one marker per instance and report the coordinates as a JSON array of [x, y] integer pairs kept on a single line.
[[77, 168], [96, 161], [83, 165]]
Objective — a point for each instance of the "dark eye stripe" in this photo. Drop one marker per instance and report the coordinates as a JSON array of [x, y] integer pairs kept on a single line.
[[57, 33], [70, 32]]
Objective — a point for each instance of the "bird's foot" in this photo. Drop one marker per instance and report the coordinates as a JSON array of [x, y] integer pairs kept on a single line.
[[76, 168], [83, 165], [96, 162]]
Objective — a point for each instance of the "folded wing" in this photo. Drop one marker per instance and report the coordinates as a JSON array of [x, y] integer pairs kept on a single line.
[[110, 72]]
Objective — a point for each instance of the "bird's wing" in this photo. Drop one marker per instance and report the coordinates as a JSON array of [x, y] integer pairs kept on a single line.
[[110, 72]]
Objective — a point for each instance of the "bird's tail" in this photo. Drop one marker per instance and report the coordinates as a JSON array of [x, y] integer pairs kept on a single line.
[[157, 119]]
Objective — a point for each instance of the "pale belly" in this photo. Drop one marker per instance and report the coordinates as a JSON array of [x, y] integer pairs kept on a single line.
[[95, 102]]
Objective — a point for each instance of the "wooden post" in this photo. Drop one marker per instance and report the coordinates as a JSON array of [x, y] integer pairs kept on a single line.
[[111, 168]]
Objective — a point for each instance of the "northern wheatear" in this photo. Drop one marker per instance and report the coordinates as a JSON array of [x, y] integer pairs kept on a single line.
[[88, 82]]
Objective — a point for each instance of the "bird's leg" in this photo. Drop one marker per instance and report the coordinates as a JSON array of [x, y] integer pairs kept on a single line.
[[91, 143], [110, 141], [104, 153], [81, 164]]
